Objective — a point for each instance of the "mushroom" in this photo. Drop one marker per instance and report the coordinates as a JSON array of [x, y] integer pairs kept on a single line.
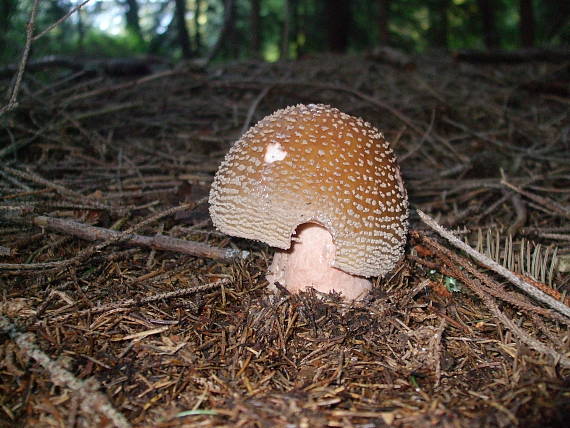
[[325, 180]]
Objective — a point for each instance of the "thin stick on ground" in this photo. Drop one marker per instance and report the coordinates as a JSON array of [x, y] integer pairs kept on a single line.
[[546, 202], [157, 242], [112, 237], [62, 190], [520, 283], [454, 261], [86, 390], [490, 285], [132, 302], [436, 349]]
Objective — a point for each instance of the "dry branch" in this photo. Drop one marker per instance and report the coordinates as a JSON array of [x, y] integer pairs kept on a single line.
[[157, 242], [492, 287], [453, 263], [112, 239], [523, 285], [253, 107], [86, 390], [546, 202], [60, 20], [128, 236], [126, 303], [62, 190]]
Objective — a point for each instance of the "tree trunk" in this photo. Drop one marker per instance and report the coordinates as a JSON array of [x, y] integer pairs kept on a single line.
[[338, 23], [229, 13], [81, 32], [487, 13], [300, 27], [527, 22], [255, 23], [158, 39], [384, 21], [558, 15], [295, 26], [132, 18], [232, 40], [7, 7], [286, 25], [183, 36], [438, 23], [197, 30]]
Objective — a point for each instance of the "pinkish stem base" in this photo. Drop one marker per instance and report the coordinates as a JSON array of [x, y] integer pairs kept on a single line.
[[308, 263]]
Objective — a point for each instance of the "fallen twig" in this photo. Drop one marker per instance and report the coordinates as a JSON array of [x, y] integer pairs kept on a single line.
[[253, 107], [112, 237], [60, 20], [91, 398], [157, 242], [546, 202], [523, 285], [490, 286], [132, 302], [57, 187], [454, 263]]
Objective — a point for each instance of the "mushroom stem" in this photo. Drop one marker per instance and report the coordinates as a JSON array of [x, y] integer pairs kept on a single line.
[[309, 263]]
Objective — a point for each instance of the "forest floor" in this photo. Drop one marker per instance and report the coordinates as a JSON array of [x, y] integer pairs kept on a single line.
[[100, 332]]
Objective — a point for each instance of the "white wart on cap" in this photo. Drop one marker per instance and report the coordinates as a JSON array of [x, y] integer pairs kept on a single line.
[[314, 164]]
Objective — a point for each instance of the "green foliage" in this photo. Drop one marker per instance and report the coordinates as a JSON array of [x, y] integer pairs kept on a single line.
[[99, 43], [465, 32]]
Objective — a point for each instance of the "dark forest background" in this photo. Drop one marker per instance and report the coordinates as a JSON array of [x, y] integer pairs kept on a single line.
[[279, 29]]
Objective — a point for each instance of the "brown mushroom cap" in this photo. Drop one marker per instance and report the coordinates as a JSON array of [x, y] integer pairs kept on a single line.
[[313, 163]]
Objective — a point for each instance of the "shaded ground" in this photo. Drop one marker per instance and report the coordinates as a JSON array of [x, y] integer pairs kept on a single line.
[[484, 150]]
